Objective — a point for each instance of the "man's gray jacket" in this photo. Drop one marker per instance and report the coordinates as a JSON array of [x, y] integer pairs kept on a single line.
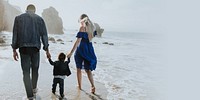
[[28, 31]]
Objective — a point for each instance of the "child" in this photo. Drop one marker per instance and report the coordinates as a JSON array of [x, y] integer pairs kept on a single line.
[[61, 68]]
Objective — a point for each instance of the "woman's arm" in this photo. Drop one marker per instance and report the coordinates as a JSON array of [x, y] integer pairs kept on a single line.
[[78, 40]]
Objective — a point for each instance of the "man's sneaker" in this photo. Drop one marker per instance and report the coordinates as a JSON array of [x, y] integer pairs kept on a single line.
[[31, 98], [35, 92], [62, 95], [53, 92]]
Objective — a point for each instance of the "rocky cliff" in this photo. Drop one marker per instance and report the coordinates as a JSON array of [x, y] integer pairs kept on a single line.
[[99, 30], [1, 15], [7, 15], [53, 21]]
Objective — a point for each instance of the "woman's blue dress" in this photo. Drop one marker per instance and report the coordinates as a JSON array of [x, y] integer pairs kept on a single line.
[[85, 57]]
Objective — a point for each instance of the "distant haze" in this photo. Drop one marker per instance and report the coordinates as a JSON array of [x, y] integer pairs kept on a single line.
[[144, 16]]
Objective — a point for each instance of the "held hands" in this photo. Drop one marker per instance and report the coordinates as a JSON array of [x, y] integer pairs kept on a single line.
[[69, 55], [48, 54]]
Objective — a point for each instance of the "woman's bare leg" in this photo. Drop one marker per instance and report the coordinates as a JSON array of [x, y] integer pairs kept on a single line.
[[79, 77], [90, 77]]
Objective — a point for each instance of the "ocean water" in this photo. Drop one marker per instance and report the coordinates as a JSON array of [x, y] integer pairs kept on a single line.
[[133, 68]]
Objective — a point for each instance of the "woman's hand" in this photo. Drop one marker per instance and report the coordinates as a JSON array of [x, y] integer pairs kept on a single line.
[[78, 40], [69, 55]]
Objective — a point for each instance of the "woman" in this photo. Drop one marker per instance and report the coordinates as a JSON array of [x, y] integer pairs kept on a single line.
[[85, 57]]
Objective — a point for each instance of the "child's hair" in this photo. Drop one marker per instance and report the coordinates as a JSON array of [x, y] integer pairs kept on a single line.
[[61, 57]]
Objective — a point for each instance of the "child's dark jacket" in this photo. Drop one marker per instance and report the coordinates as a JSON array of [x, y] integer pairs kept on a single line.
[[61, 67]]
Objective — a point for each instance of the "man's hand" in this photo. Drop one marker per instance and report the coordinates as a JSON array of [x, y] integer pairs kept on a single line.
[[48, 54], [15, 55]]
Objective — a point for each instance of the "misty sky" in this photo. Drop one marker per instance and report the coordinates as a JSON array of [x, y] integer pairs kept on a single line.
[[113, 15]]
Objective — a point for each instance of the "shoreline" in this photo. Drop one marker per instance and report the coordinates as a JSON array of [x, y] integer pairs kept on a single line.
[[13, 86], [146, 80]]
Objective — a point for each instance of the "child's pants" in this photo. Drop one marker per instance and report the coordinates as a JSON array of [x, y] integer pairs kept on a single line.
[[61, 85]]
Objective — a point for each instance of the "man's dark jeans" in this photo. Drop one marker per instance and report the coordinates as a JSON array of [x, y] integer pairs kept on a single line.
[[30, 62], [61, 85]]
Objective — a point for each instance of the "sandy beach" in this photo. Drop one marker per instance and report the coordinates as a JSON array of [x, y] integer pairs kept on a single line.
[[12, 87], [129, 67], [131, 52]]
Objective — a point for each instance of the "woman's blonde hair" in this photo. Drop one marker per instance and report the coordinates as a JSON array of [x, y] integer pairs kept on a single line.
[[89, 26]]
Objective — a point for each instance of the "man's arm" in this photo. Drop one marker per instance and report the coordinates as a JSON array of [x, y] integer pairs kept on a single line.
[[44, 35], [15, 34], [48, 54], [44, 38], [14, 40]]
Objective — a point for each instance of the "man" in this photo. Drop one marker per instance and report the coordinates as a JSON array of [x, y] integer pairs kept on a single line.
[[28, 30]]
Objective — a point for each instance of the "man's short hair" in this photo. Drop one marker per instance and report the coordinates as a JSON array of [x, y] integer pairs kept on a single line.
[[30, 7]]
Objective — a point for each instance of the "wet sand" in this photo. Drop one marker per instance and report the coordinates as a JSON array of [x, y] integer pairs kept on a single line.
[[12, 87]]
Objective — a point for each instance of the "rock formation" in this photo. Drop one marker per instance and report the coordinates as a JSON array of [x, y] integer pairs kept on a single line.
[[98, 29], [53, 22], [1, 15], [2, 40], [52, 39], [7, 15]]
